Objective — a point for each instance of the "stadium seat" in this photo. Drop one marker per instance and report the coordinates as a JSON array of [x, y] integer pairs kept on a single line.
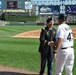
[[56, 3], [59, 3], [66, 2], [70, 2], [73, 2], [46, 3]]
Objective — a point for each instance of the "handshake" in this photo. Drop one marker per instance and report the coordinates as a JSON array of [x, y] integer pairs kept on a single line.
[[51, 43]]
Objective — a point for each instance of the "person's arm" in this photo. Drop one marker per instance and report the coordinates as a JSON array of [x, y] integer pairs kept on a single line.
[[59, 42], [42, 37], [59, 36], [53, 42]]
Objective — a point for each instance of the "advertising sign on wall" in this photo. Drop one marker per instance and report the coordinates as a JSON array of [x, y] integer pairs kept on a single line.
[[12, 4], [49, 9], [70, 9]]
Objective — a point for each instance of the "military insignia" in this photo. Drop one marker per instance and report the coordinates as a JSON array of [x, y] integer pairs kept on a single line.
[[54, 32], [43, 28], [47, 33]]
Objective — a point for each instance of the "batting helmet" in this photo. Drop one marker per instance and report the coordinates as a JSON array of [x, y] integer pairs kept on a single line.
[[62, 17]]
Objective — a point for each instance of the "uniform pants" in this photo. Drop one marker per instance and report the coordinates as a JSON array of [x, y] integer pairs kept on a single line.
[[46, 58], [65, 57]]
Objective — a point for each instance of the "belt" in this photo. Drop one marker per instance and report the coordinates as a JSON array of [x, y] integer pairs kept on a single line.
[[67, 47]]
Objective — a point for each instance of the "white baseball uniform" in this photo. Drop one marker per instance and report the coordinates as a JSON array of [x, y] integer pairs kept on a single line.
[[65, 54]]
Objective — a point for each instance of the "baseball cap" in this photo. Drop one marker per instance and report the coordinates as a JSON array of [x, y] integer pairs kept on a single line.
[[62, 17], [48, 20]]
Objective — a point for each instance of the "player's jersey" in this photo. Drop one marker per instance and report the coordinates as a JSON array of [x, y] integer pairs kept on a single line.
[[64, 31]]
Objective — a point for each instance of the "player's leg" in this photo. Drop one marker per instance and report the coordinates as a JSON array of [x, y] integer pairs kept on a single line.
[[69, 63], [60, 62], [43, 63]]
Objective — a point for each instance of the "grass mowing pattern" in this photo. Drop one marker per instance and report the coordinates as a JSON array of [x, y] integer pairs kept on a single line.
[[21, 52]]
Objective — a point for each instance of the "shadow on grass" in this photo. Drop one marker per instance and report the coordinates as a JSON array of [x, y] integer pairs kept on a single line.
[[14, 73]]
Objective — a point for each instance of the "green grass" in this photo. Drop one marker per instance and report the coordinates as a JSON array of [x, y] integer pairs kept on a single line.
[[8, 31], [17, 52], [21, 52]]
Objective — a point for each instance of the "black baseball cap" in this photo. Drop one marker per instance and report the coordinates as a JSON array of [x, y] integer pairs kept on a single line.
[[62, 17], [48, 20]]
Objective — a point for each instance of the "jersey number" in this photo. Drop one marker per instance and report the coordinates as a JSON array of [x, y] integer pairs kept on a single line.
[[70, 36]]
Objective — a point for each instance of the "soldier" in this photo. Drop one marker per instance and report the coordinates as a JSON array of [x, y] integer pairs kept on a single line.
[[47, 40]]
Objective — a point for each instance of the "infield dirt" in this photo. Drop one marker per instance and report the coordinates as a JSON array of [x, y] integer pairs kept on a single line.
[[36, 34]]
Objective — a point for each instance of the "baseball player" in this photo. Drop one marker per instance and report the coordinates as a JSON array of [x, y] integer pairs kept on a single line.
[[64, 52]]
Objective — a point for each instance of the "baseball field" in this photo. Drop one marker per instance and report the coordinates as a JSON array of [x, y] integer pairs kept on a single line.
[[19, 50]]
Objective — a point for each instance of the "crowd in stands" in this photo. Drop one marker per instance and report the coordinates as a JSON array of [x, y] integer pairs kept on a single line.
[[71, 18]]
